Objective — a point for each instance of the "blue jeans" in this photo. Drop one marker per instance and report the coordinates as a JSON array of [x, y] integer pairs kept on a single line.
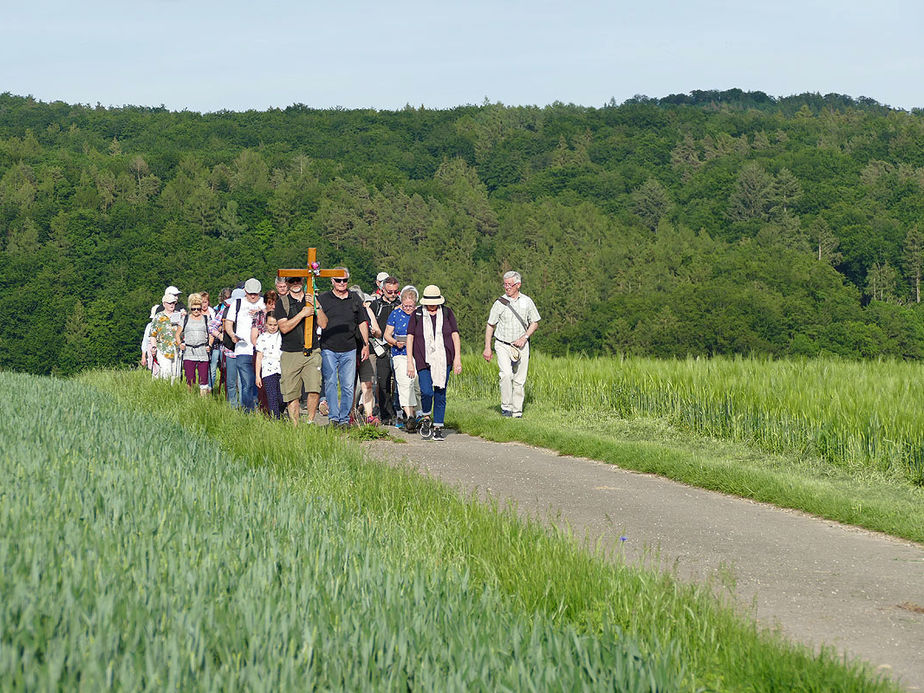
[[339, 366], [434, 397], [241, 366], [232, 385], [213, 366]]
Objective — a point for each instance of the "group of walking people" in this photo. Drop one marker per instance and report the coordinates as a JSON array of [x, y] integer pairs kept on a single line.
[[399, 346]]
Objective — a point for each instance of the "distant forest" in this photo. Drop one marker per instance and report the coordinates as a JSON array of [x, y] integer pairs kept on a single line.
[[705, 223]]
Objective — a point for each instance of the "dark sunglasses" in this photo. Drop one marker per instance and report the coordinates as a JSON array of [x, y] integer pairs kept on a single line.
[[341, 281]]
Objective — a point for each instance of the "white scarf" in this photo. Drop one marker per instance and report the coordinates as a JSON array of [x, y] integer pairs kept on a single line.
[[433, 347]]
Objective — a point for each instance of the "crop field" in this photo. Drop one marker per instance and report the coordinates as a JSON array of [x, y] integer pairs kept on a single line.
[[856, 415], [152, 539], [136, 555]]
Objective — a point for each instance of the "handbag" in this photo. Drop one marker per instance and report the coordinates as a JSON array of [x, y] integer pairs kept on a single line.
[[378, 347]]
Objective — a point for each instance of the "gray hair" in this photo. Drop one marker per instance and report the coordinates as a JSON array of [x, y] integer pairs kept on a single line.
[[513, 275], [409, 291]]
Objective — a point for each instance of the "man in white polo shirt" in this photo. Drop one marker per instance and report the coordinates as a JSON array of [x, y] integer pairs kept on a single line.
[[512, 321]]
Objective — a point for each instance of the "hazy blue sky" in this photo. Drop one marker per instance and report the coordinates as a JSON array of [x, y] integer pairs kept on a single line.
[[205, 55]]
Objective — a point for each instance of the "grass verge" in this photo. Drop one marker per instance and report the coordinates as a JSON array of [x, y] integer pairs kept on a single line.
[[863, 496], [879, 503]]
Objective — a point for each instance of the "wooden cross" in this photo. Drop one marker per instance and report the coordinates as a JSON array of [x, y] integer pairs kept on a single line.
[[313, 269]]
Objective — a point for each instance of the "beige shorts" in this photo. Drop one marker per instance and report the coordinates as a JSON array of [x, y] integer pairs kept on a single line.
[[299, 371]]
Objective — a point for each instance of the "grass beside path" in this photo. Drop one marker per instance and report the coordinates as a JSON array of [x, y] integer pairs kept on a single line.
[[540, 572], [875, 502]]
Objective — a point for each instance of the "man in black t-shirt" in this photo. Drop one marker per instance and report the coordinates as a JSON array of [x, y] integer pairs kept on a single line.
[[346, 318], [301, 368], [384, 371]]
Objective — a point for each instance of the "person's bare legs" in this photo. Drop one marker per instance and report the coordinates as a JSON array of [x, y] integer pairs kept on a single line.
[[312, 405], [293, 409], [368, 398]]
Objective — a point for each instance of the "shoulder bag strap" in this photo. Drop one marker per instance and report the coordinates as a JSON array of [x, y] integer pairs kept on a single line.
[[506, 301]]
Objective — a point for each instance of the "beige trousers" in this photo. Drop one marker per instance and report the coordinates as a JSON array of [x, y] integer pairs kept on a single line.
[[512, 376]]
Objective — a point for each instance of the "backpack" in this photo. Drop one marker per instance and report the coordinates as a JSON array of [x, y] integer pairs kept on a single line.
[[226, 340]]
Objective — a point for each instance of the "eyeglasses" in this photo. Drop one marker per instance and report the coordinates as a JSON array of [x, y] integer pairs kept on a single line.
[[196, 308], [392, 293], [340, 281], [170, 303]]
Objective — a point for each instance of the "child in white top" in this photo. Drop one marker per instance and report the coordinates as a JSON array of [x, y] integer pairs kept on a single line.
[[267, 365]]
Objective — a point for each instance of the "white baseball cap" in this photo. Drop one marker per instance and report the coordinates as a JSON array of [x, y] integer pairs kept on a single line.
[[172, 290], [380, 277]]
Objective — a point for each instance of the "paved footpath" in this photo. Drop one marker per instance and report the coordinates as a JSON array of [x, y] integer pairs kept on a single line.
[[821, 582]]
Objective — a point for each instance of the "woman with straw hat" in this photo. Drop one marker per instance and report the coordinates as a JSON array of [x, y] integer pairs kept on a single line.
[[433, 348]]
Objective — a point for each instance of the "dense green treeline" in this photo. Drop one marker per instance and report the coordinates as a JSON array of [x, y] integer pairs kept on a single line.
[[714, 222]]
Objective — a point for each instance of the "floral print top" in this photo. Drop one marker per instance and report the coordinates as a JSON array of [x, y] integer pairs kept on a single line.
[[164, 334]]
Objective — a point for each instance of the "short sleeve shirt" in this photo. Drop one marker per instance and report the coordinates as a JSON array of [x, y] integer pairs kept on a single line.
[[244, 323], [399, 320], [196, 337], [293, 341], [165, 334], [270, 345], [344, 316], [508, 327]]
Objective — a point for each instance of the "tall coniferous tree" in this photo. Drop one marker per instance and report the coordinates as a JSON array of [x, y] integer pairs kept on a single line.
[[753, 194]]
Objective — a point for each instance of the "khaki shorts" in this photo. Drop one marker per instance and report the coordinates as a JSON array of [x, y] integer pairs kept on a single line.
[[299, 370]]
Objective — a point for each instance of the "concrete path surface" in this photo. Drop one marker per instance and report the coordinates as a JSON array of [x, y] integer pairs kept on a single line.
[[821, 582]]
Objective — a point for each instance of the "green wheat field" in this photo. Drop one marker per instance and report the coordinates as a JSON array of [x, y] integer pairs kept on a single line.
[[155, 540]]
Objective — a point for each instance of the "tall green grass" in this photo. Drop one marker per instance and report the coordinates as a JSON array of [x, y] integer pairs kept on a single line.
[[854, 415], [138, 555], [680, 630]]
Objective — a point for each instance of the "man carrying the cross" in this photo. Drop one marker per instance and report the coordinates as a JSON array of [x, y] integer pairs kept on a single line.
[[512, 321], [301, 367]]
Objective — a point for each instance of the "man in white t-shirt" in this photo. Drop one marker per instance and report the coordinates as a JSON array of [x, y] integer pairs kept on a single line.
[[237, 326]]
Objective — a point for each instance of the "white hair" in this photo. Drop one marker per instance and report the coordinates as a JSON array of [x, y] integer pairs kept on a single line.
[[513, 275]]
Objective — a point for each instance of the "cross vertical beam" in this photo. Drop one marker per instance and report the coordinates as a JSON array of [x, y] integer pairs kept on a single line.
[[310, 272]]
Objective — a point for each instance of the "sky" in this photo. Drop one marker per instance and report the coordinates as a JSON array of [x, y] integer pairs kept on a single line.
[[205, 55]]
